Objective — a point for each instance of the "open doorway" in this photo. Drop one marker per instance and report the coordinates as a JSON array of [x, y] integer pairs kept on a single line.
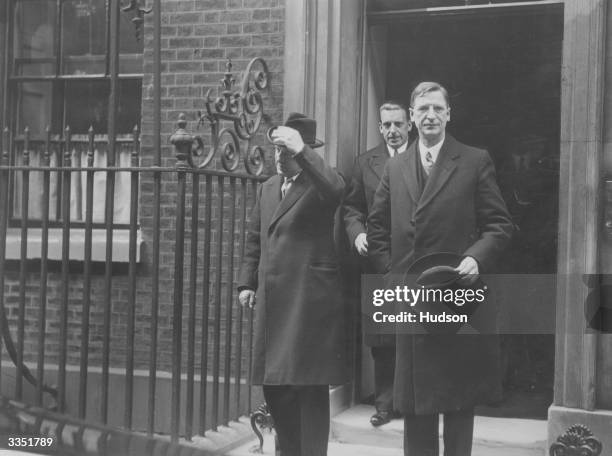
[[502, 69]]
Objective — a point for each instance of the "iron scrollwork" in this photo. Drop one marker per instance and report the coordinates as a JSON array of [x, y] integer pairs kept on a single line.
[[578, 440], [262, 419], [243, 110], [139, 13]]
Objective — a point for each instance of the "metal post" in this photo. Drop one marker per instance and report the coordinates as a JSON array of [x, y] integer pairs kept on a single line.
[[63, 336], [182, 142], [129, 365], [86, 276], [4, 201], [195, 201], [156, 212], [44, 254], [25, 200]]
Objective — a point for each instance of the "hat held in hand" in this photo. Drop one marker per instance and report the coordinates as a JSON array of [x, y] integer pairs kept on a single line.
[[436, 270]]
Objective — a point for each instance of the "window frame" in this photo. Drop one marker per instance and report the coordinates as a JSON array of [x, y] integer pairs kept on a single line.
[[58, 82]]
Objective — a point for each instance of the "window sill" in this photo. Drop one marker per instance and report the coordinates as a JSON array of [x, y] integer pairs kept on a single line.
[[121, 244]]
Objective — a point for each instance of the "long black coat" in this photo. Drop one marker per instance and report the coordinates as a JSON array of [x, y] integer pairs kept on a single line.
[[461, 210], [365, 177], [290, 259]]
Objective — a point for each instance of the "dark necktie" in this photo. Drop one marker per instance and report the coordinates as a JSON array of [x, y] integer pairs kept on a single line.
[[429, 162]]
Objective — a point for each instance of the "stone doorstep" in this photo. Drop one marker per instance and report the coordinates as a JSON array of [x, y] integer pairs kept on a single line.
[[352, 435], [492, 436], [334, 449]]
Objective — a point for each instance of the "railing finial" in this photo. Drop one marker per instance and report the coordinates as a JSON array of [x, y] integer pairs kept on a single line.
[[5, 146], [47, 151], [67, 145], [182, 142], [91, 146], [26, 146]]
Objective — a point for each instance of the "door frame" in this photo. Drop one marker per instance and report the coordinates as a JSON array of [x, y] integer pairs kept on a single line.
[[324, 50]]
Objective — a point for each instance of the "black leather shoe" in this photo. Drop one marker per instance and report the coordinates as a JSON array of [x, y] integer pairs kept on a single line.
[[380, 418]]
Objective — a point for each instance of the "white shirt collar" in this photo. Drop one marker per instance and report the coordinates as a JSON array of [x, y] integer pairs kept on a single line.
[[290, 180], [400, 149], [434, 151]]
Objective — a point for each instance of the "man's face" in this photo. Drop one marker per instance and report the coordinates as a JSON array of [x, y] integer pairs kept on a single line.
[[430, 114], [286, 165], [394, 127]]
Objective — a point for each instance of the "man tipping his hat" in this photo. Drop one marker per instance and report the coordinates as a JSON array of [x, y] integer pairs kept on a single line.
[[290, 278]]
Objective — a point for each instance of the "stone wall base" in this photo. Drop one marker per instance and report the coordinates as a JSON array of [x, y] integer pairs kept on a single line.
[[598, 421]]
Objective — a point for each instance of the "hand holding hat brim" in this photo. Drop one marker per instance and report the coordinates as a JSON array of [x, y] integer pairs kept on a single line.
[[287, 137]]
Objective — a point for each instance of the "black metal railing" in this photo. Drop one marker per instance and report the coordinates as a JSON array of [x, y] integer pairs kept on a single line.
[[89, 325]]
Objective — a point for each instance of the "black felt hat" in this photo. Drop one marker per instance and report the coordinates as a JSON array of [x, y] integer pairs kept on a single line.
[[436, 270], [306, 126]]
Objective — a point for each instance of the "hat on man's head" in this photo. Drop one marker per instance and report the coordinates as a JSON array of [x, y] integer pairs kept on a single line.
[[306, 126]]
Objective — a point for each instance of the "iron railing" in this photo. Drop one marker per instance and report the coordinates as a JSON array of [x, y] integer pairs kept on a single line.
[[117, 301], [66, 313]]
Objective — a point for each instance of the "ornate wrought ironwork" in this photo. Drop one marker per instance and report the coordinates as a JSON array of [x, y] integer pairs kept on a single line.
[[139, 13], [578, 440], [262, 419], [243, 108]]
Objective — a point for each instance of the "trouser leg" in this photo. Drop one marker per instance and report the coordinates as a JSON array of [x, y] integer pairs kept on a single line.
[[283, 403], [314, 419], [421, 435], [384, 371], [458, 433]]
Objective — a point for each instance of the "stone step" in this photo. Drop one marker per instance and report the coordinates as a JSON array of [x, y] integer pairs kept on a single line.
[[335, 449], [492, 436]]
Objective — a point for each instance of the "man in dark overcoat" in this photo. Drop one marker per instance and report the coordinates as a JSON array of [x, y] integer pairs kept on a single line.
[[394, 126], [440, 196], [290, 277]]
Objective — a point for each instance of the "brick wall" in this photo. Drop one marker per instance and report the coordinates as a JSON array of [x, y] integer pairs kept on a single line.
[[197, 38]]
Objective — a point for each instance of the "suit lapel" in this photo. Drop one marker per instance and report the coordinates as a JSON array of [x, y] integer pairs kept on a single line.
[[441, 172], [408, 167], [297, 189], [270, 197], [377, 160]]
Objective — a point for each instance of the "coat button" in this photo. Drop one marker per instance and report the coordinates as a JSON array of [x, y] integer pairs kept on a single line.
[[412, 222]]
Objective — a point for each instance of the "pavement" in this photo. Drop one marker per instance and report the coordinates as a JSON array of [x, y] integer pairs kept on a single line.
[[335, 449], [352, 435]]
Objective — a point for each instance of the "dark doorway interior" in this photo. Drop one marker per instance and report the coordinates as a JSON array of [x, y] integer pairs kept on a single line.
[[503, 75]]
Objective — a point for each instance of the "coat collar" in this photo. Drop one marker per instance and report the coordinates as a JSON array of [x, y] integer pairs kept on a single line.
[[376, 161], [441, 172], [273, 196], [407, 165]]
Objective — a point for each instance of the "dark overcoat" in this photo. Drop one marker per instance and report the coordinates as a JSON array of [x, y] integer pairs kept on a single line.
[[460, 210], [290, 259], [366, 174]]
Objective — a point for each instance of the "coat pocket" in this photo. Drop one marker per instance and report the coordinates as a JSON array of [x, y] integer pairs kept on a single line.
[[324, 266]]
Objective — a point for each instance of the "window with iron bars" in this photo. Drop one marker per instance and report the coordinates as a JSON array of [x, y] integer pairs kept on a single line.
[[59, 77]]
